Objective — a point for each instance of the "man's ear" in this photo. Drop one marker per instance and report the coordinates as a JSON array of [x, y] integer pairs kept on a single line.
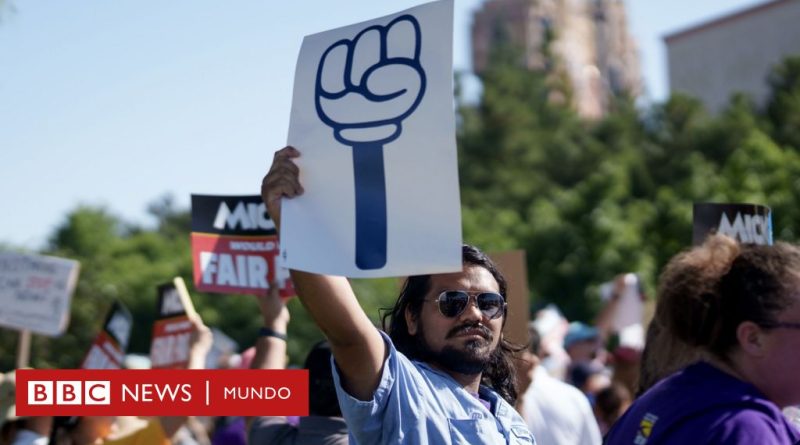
[[411, 321], [751, 338]]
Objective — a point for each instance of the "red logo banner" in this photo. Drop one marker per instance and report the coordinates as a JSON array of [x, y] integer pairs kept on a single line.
[[72, 392]]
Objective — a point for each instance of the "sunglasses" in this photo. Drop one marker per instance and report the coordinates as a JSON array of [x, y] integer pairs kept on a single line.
[[453, 302]]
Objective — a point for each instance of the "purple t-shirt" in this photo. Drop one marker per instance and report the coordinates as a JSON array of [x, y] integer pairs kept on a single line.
[[230, 431], [702, 405]]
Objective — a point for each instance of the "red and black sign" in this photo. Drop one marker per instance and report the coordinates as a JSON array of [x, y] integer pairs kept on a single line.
[[235, 246], [172, 330], [108, 349]]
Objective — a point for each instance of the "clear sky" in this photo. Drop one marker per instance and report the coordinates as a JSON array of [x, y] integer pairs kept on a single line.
[[117, 103]]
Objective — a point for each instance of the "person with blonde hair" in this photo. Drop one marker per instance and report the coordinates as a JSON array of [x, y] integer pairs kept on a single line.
[[665, 353], [738, 307]]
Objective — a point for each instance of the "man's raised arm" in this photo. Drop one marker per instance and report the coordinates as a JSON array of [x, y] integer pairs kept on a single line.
[[357, 346]]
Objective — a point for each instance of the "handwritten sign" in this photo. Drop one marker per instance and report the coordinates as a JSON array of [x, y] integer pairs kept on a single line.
[[627, 319], [512, 264], [36, 292]]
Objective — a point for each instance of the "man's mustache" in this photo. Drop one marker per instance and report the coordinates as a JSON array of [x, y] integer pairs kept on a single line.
[[458, 330]]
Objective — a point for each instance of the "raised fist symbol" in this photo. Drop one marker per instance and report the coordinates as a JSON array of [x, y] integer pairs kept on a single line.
[[368, 85], [365, 88]]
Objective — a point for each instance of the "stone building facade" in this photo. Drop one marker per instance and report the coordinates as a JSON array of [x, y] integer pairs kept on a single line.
[[588, 39]]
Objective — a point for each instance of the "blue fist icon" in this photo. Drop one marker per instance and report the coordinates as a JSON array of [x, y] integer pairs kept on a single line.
[[365, 88]]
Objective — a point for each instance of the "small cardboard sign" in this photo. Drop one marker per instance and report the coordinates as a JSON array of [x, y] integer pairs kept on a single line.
[[173, 329], [235, 246], [746, 223], [514, 268], [36, 292], [108, 349]]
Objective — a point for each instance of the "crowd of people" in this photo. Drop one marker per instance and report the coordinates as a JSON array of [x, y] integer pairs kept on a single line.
[[719, 364]]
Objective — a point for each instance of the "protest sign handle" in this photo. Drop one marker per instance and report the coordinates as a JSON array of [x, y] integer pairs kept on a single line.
[[24, 349], [370, 194], [186, 299]]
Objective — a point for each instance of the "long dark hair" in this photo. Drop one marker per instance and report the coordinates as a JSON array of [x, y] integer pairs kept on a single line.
[[499, 373]]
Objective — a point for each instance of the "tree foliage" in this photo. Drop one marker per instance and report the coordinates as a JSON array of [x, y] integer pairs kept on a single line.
[[589, 200], [126, 262], [586, 200]]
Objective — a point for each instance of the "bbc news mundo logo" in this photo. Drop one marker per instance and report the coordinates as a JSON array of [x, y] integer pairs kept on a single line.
[[69, 392], [160, 392]]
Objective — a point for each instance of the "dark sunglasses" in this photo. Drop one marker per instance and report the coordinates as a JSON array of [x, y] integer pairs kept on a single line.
[[453, 302]]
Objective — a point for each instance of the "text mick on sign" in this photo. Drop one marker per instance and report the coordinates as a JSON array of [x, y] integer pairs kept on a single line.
[[235, 246], [746, 223]]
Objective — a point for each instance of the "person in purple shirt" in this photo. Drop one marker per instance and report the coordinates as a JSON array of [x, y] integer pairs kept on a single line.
[[745, 318]]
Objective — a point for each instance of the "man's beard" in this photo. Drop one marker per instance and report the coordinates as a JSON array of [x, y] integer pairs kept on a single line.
[[471, 360]]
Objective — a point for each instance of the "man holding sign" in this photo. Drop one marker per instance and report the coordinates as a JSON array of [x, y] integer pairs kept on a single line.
[[423, 382], [372, 112]]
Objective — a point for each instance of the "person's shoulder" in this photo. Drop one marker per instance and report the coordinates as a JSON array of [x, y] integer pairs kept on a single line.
[[322, 430], [394, 362], [754, 425], [323, 423], [267, 429], [393, 355]]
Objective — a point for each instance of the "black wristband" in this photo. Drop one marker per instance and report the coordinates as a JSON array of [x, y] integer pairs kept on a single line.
[[267, 332]]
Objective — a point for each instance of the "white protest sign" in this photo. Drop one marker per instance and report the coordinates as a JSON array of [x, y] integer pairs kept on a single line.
[[36, 291], [222, 348], [628, 317], [372, 115]]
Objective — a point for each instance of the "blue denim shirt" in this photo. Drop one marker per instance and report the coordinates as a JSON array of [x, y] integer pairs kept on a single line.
[[416, 404]]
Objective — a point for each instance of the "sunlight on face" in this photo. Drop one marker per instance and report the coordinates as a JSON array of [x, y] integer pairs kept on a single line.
[[464, 343]]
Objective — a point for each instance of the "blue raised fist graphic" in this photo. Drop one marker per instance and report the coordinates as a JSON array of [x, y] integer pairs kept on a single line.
[[365, 88]]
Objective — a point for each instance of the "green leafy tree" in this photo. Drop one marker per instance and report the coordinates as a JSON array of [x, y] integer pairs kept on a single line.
[[783, 108], [126, 262], [589, 200], [585, 199]]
